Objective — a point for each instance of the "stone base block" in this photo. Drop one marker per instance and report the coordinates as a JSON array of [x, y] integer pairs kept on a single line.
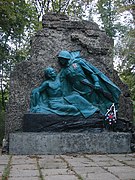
[[28, 143], [37, 122]]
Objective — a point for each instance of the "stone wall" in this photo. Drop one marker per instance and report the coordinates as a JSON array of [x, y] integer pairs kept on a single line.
[[60, 33]]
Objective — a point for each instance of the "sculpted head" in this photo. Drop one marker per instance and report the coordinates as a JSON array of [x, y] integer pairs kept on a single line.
[[50, 73], [64, 57]]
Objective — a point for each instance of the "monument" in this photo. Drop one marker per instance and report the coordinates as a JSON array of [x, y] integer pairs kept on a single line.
[[81, 93]]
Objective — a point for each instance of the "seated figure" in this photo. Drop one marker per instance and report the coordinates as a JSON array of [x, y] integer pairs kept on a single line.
[[48, 98]]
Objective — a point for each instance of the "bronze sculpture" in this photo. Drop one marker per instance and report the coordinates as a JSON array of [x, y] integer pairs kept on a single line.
[[79, 89]]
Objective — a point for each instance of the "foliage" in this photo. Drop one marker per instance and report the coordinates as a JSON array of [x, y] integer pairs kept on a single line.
[[126, 46], [107, 14], [18, 21], [7, 169], [2, 126], [126, 5], [16, 24], [129, 78], [134, 112], [74, 8], [126, 52], [111, 12], [110, 16]]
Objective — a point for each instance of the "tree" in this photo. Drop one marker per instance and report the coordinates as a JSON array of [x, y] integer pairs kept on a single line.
[[17, 24], [110, 12], [126, 53], [75, 8], [126, 47], [18, 21], [107, 14], [126, 5]]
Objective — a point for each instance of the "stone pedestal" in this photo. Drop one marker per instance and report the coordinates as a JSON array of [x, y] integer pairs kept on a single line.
[[37, 122], [28, 143]]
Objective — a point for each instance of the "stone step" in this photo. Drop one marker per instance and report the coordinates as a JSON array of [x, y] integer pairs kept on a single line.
[[28, 143]]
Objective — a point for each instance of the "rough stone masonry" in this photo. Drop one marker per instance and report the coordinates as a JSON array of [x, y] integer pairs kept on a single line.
[[60, 33]]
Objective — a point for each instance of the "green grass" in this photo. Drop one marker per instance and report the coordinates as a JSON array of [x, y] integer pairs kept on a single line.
[[6, 172], [71, 168], [39, 169]]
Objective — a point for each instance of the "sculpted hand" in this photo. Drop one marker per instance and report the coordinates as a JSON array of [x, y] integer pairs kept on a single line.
[[97, 85], [36, 90]]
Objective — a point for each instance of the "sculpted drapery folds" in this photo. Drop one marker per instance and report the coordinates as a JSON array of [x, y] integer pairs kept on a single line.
[[79, 88], [48, 98], [78, 75]]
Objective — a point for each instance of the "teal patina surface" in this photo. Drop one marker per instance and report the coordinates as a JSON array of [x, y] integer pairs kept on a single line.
[[79, 88], [48, 97]]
